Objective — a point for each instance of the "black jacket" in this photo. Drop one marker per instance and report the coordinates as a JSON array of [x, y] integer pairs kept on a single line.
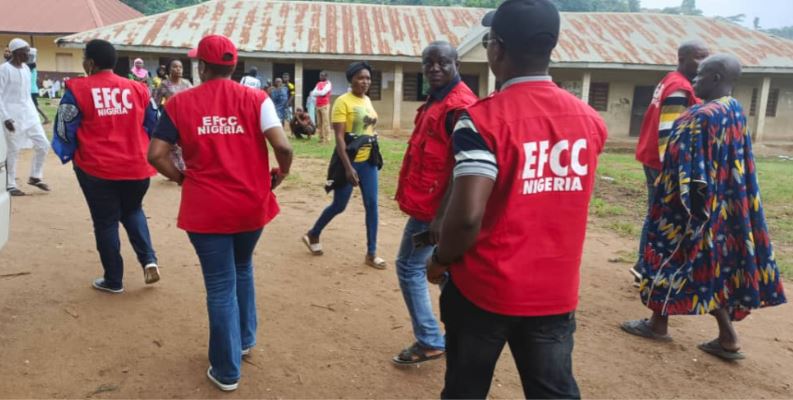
[[337, 177]]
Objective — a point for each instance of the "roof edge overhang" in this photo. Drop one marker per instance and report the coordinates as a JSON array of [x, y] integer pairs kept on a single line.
[[649, 67], [660, 67], [36, 33], [347, 57], [251, 54]]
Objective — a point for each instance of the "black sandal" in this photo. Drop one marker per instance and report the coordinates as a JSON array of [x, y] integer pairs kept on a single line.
[[415, 354], [39, 184]]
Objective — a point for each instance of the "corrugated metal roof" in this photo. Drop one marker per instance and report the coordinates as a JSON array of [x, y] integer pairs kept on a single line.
[[653, 39], [316, 29], [61, 16], [296, 27]]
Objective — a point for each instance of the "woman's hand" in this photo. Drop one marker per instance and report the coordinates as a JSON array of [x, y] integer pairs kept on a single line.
[[352, 177]]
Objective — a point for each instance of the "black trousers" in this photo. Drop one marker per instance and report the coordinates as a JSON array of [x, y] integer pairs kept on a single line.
[[541, 346]]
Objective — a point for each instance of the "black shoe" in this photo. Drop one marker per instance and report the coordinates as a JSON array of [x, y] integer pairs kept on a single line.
[[15, 192], [100, 284], [39, 184]]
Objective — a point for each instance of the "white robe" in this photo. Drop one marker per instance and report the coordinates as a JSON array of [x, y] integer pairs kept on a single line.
[[16, 103]]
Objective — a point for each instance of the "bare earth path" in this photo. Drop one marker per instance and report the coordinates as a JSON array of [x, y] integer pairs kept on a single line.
[[328, 325]]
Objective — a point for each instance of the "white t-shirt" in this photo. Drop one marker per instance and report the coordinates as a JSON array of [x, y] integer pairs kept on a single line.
[[251, 82], [267, 116]]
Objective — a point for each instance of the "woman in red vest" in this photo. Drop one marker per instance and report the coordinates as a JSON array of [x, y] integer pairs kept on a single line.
[[227, 199], [102, 124]]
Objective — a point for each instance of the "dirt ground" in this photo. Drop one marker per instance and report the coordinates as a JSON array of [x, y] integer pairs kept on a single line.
[[328, 325]]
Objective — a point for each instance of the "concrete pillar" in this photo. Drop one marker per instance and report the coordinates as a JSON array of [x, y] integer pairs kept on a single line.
[[299, 84], [397, 117], [491, 82], [762, 105], [587, 82], [194, 69]]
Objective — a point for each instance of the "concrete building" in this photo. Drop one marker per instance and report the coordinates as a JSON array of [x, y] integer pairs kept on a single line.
[[611, 60], [614, 60], [41, 22]]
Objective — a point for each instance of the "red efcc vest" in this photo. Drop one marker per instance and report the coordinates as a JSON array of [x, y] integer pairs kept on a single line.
[[111, 141], [429, 161], [647, 148], [226, 187], [526, 259], [323, 101]]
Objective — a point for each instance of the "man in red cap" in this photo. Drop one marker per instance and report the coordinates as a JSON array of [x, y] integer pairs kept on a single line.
[[513, 232], [223, 128]]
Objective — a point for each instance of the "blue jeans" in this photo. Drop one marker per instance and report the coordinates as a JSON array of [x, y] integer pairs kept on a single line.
[[111, 202], [367, 174], [542, 348], [650, 176], [412, 273], [227, 264]]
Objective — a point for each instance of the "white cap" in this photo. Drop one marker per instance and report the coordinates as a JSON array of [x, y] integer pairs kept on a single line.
[[17, 44]]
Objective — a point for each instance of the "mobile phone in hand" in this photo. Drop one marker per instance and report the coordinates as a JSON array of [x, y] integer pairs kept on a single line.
[[421, 239]]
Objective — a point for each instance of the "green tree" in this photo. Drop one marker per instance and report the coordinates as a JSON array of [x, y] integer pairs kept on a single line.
[[598, 5], [687, 7], [149, 7], [784, 32]]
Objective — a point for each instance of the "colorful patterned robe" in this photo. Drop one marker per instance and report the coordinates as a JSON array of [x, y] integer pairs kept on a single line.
[[708, 245]]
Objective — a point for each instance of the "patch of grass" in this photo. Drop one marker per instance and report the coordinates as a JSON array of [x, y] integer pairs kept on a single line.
[[625, 229], [620, 200], [601, 208], [392, 149], [624, 169]]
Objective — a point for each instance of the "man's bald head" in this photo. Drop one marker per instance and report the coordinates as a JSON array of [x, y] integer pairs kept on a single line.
[[442, 46], [439, 62], [717, 76], [725, 64], [689, 55]]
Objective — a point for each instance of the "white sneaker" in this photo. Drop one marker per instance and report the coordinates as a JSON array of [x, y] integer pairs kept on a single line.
[[226, 387], [151, 273], [247, 351]]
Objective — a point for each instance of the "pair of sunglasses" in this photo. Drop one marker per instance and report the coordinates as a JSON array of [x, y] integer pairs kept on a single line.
[[487, 39]]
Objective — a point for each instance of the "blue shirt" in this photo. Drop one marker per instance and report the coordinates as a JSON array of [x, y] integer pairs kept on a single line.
[[67, 122]]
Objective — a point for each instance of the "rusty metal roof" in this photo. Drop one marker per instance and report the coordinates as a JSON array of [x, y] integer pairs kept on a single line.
[[295, 27], [329, 30], [61, 16], [644, 39]]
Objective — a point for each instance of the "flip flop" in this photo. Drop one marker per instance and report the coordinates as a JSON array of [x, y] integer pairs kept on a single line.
[[641, 327], [715, 348], [376, 262], [415, 354], [314, 248], [16, 192], [39, 184]]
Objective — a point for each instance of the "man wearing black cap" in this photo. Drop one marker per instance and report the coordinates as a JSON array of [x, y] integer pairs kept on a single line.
[[513, 233]]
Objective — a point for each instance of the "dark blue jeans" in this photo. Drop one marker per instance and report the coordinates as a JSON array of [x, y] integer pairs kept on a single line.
[[541, 346], [650, 176], [227, 264], [111, 202], [367, 173]]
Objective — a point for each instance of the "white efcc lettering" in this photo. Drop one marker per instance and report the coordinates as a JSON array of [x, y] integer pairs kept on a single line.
[[537, 156], [112, 101], [215, 125]]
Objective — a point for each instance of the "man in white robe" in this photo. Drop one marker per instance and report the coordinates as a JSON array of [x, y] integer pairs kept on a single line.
[[20, 120]]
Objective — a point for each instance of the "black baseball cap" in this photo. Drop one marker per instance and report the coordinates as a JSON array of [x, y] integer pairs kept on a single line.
[[530, 25]]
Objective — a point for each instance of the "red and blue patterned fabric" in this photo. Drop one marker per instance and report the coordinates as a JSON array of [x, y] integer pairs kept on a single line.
[[708, 244]]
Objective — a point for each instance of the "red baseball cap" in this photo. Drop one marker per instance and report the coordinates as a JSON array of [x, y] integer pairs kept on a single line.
[[215, 49]]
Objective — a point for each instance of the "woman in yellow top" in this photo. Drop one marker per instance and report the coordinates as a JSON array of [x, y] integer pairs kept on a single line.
[[353, 120]]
